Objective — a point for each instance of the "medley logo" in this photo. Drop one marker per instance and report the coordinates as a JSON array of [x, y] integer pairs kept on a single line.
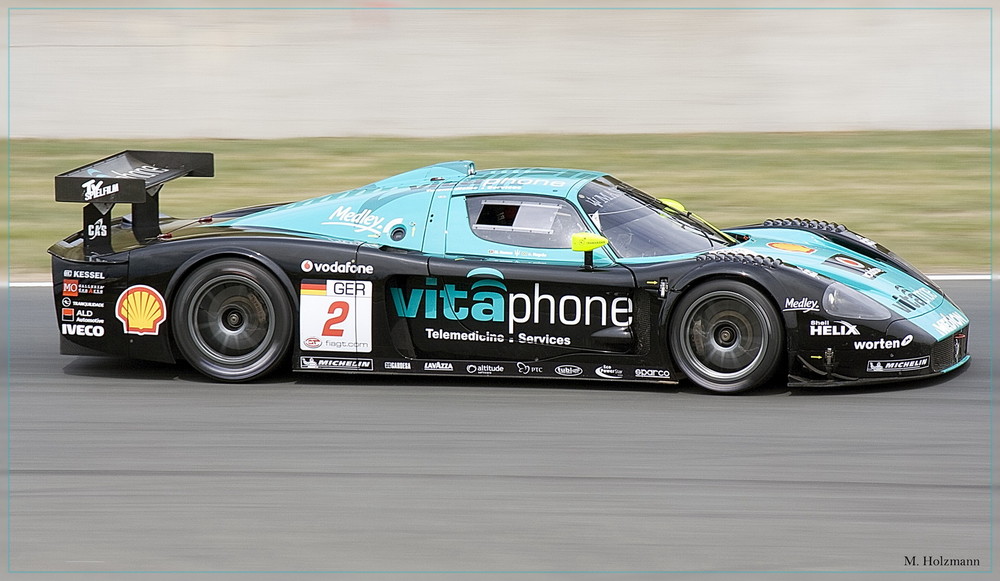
[[950, 323], [805, 305], [364, 221], [488, 300]]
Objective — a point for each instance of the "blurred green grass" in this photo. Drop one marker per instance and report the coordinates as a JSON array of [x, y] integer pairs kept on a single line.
[[924, 194]]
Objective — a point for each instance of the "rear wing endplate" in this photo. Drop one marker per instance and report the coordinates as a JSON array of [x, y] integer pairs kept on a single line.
[[133, 177]]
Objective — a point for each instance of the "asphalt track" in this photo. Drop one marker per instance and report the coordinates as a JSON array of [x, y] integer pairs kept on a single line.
[[138, 467]]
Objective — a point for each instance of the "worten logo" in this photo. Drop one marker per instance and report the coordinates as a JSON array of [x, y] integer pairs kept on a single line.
[[488, 300]]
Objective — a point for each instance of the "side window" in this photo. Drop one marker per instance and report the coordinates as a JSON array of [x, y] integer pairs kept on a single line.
[[532, 221]]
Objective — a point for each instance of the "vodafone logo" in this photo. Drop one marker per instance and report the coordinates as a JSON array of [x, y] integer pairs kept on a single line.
[[336, 267]]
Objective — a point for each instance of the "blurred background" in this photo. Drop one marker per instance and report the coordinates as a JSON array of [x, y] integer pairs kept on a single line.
[[876, 116]]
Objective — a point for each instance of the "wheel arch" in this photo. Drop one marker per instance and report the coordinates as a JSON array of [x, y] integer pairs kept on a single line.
[[204, 257], [765, 282]]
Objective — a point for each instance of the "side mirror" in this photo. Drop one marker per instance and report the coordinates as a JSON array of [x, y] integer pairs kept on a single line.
[[674, 205], [587, 242]]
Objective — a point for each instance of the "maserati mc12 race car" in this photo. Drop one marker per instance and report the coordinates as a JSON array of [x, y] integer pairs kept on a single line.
[[449, 270]]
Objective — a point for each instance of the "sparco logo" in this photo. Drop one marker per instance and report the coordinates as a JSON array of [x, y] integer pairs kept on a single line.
[[569, 370], [652, 373], [337, 267], [803, 305]]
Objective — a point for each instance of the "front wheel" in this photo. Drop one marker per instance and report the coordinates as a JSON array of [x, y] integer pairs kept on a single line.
[[726, 336], [233, 320]]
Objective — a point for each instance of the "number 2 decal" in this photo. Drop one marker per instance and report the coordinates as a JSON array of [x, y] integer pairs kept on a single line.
[[340, 311], [335, 316]]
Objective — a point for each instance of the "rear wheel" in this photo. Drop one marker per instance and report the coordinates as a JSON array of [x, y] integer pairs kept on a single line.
[[726, 336], [232, 320]]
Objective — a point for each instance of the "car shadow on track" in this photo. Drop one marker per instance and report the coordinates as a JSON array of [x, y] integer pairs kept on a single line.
[[148, 372]]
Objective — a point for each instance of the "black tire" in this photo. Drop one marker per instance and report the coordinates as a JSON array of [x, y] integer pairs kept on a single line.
[[726, 336], [232, 320]]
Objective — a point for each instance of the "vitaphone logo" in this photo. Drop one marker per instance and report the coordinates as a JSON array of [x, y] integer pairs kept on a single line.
[[488, 300]]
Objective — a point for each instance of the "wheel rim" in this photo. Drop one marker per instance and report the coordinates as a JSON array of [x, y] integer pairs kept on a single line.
[[725, 336], [232, 320]]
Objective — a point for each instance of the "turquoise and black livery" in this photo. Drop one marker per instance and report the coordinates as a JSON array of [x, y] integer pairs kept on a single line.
[[450, 270]]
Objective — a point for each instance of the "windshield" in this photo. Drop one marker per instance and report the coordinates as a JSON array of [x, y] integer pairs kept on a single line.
[[638, 225]]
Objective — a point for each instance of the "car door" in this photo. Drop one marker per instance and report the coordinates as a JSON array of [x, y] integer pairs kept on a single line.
[[510, 288]]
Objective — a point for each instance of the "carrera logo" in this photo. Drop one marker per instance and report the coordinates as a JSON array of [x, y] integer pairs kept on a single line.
[[141, 310], [569, 370], [864, 269]]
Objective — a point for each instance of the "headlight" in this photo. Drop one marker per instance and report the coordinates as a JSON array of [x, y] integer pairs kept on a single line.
[[843, 301]]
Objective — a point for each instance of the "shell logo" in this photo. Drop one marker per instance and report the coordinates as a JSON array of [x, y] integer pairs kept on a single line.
[[789, 247], [141, 309]]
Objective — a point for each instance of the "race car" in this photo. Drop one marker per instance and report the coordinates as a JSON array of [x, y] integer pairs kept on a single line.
[[449, 270]]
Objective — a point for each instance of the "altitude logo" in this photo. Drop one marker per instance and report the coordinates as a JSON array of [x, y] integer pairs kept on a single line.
[[488, 300]]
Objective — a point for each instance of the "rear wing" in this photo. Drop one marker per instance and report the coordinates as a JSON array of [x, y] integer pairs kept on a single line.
[[132, 177]]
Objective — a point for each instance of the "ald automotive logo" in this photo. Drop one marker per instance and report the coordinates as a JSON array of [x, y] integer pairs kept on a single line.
[[488, 300]]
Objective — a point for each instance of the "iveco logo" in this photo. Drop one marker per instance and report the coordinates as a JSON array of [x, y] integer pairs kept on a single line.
[[569, 370]]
